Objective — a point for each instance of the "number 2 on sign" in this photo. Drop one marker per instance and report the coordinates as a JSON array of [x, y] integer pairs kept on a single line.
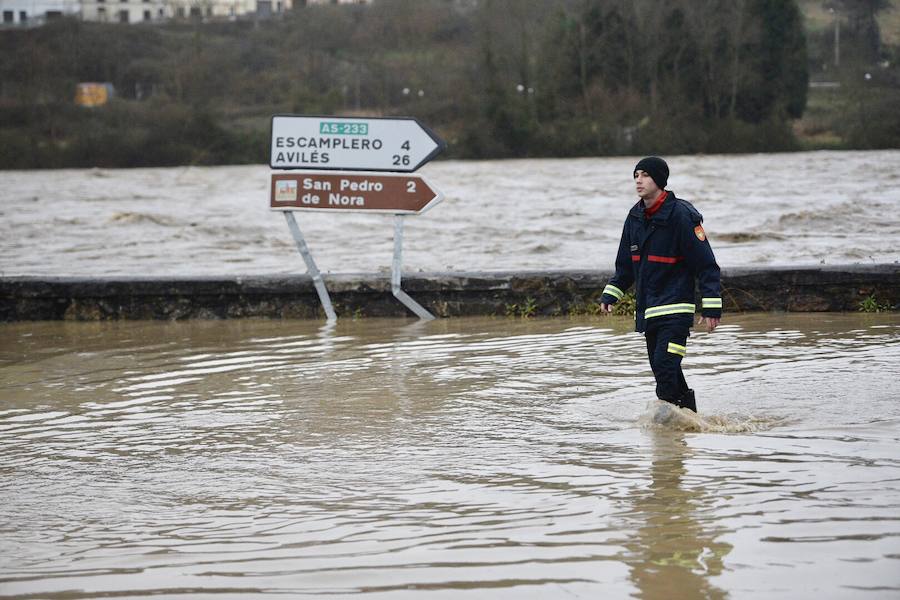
[[411, 187]]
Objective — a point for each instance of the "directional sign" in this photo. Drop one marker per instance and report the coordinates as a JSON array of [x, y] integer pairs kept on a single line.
[[375, 192], [376, 144]]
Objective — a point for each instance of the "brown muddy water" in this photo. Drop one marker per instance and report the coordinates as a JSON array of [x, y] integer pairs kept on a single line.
[[465, 458], [804, 208]]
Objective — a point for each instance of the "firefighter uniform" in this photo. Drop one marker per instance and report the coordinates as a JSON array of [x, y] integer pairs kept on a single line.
[[664, 255]]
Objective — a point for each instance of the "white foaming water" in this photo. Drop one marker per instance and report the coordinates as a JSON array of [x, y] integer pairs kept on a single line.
[[766, 209], [663, 416]]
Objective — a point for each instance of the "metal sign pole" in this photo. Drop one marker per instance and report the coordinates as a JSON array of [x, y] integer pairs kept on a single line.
[[399, 294], [311, 268]]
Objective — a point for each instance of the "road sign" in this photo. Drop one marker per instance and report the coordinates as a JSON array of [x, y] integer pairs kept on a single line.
[[366, 192], [351, 144]]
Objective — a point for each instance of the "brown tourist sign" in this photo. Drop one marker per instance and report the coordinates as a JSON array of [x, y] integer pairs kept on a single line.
[[362, 192]]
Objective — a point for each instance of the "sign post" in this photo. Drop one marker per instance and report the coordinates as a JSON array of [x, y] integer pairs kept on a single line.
[[396, 290], [311, 268], [337, 155]]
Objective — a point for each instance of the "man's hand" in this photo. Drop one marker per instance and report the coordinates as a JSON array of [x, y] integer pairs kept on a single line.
[[605, 309], [711, 323]]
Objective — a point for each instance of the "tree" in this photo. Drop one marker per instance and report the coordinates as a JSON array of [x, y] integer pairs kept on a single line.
[[778, 59]]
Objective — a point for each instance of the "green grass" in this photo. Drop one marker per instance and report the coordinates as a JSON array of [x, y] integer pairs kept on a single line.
[[524, 310], [871, 304]]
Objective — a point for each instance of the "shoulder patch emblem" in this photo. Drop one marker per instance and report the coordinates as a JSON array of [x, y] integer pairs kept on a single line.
[[698, 231]]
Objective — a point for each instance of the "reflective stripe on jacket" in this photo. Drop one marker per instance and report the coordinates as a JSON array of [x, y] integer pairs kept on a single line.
[[663, 257]]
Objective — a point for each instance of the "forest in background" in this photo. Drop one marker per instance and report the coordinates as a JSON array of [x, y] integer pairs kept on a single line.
[[494, 78]]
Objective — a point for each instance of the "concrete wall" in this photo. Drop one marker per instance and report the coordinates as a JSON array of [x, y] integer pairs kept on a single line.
[[547, 293]]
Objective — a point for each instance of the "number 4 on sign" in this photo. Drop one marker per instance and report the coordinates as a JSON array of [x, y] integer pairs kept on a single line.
[[402, 160]]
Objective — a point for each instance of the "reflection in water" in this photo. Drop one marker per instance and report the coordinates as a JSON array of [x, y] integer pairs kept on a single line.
[[674, 547], [465, 458]]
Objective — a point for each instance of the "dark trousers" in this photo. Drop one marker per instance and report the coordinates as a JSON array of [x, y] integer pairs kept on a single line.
[[666, 345]]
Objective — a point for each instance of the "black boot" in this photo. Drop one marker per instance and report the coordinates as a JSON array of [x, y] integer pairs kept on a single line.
[[688, 401]]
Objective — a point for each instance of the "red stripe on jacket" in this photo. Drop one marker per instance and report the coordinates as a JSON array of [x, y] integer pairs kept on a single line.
[[663, 259]]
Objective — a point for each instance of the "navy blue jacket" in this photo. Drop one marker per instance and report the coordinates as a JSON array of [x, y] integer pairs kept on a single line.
[[664, 256]]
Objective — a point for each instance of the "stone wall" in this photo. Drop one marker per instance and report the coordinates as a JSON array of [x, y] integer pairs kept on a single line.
[[537, 293]]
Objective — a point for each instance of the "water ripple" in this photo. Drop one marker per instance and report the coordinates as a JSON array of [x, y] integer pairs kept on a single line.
[[484, 457]]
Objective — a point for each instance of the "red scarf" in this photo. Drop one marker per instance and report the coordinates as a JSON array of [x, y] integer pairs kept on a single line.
[[649, 212]]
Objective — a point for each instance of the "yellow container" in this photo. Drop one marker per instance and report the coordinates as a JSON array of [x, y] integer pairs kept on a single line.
[[92, 94]]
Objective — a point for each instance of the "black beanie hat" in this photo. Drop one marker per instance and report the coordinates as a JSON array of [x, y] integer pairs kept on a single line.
[[656, 168]]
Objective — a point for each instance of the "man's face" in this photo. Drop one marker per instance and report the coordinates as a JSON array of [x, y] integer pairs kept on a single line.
[[646, 187]]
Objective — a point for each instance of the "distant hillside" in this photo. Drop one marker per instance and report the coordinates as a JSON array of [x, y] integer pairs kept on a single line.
[[854, 92], [818, 18], [496, 78]]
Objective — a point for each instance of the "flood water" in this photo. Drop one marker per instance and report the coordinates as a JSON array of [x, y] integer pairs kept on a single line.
[[464, 458], [767, 209]]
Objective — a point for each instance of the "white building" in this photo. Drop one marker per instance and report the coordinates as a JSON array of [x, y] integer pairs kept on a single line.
[[123, 11], [229, 9], [136, 11], [35, 12], [334, 2]]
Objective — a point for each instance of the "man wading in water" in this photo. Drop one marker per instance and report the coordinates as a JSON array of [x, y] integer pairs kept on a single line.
[[663, 252]]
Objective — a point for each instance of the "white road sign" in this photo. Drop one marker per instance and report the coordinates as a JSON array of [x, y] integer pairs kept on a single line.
[[354, 144]]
